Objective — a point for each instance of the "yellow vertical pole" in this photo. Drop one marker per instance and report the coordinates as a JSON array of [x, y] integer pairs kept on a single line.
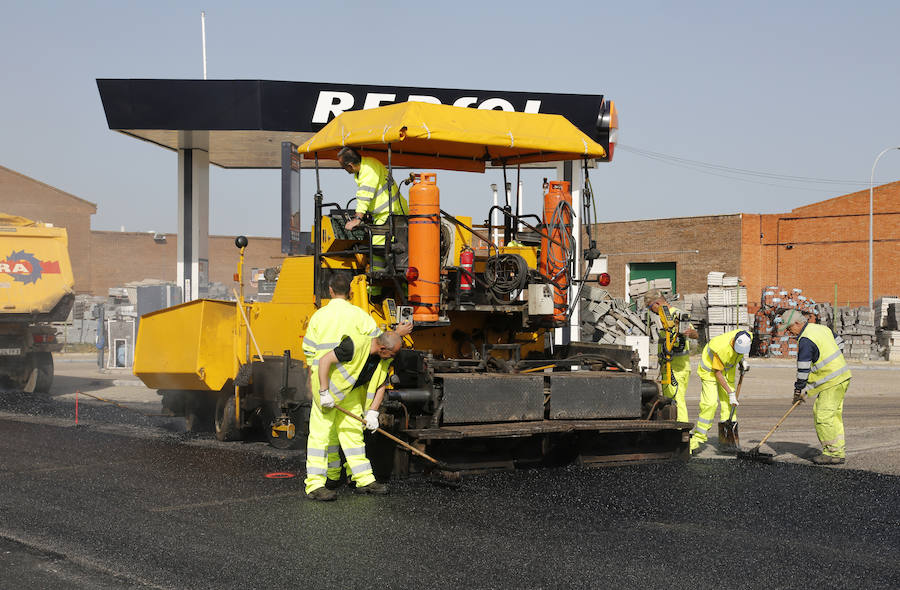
[[239, 337]]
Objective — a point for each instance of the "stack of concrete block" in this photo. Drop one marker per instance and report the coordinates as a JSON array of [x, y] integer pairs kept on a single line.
[[889, 340], [856, 326], [664, 285], [608, 320], [637, 290], [696, 305], [638, 287], [726, 304], [882, 305]]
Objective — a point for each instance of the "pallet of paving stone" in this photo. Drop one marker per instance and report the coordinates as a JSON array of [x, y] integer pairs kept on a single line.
[[714, 279]]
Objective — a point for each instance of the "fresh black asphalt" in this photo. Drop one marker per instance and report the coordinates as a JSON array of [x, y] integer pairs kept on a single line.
[[91, 507]]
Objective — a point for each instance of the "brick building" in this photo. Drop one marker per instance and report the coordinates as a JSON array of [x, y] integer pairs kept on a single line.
[[104, 259], [821, 248], [132, 256], [687, 247]]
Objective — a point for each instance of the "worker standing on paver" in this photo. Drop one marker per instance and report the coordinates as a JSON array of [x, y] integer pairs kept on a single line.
[[681, 359], [718, 364], [372, 197], [329, 328], [822, 371]]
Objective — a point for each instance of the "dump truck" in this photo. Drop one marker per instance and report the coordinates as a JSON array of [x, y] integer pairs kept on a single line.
[[486, 381], [36, 288]]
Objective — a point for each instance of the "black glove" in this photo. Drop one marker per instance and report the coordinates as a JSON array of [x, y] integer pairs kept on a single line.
[[799, 396]]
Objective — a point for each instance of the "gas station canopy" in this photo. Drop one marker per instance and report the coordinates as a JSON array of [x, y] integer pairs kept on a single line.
[[242, 123]]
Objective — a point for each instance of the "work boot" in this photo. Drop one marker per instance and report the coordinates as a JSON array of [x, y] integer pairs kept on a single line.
[[379, 489], [322, 495], [333, 484], [824, 459]]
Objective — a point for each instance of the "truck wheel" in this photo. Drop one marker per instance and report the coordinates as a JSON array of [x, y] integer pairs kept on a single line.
[[44, 363], [226, 424]]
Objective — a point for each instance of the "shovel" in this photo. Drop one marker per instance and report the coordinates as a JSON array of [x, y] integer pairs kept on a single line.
[[729, 441], [755, 454], [442, 472]]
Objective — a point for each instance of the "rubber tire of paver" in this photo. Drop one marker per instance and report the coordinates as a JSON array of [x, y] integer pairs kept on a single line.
[[226, 424], [44, 363]]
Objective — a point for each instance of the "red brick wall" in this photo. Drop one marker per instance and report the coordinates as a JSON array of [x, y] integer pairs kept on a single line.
[[27, 197], [696, 245], [133, 256], [824, 246]]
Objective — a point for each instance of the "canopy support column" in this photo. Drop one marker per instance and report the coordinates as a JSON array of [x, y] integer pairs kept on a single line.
[[193, 223], [574, 175]]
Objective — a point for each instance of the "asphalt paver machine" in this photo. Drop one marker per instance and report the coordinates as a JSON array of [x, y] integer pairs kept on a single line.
[[482, 383]]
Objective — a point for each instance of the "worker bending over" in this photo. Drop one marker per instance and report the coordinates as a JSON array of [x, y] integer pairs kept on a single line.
[[718, 364], [822, 372], [372, 196], [338, 322], [681, 359]]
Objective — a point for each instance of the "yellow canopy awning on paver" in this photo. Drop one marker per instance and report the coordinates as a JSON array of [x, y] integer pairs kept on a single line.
[[425, 135]]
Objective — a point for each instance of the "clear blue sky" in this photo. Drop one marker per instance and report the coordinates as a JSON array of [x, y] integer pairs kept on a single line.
[[801, 89]]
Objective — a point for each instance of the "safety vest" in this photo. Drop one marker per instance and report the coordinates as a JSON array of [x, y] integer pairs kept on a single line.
[[372, 194], [831, 368], [721, 347], [684, 350], [327, 328], [378, 379]]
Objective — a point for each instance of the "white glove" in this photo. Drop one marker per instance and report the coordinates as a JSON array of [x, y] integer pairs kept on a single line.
[[732, 399], [325, 399], [745, 365], [372, 420]]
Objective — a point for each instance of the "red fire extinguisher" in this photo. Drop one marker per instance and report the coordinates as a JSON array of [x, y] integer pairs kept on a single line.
[[466, 277]]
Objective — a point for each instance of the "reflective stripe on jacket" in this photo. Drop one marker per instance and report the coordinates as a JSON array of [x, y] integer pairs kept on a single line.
[[327, 327], [372, 195], [831, 368], [721, 347]]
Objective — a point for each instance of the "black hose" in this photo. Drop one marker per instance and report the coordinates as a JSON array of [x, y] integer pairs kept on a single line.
[[506, 274]]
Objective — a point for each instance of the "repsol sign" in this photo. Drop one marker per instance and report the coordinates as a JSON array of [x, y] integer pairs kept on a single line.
[[319, 103], [331, 103]]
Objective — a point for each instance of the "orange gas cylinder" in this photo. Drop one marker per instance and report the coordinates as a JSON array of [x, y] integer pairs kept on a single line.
[[555, 256], [424, 272]]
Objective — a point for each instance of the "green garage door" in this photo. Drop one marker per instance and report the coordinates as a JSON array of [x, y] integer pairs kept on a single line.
[[653, 270]]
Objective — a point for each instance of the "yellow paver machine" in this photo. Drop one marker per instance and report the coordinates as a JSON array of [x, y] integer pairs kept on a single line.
[[483, 382]]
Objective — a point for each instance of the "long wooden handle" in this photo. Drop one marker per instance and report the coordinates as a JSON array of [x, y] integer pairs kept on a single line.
[[766, 437], [400, 442]]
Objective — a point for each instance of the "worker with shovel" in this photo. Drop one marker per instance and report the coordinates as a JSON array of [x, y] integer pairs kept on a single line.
[[355, 380], [822, 372], [675, 383], [717, 367]]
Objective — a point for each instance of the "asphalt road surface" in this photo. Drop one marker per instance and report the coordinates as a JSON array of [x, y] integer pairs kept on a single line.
[[128, 500]]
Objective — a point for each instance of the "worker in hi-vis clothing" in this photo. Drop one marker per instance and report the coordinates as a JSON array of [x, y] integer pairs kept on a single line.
[[822, 372], [681, 355], [342, 326], [718, 364], [372, 197]]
